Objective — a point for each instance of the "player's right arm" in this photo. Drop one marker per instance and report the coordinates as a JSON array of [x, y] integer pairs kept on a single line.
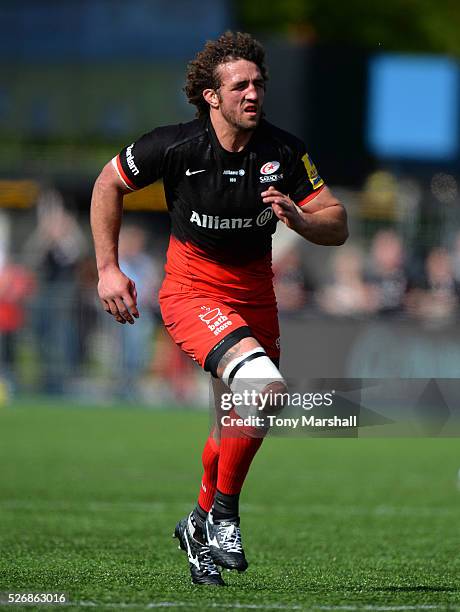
[[116, 291], [137, 165]]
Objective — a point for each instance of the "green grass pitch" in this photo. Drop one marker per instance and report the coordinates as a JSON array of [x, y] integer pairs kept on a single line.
[[89, 499]]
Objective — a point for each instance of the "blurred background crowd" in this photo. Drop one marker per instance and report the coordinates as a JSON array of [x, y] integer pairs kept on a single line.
[[373, 92]]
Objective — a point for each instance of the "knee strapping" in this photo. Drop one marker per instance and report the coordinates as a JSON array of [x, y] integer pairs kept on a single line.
[[251, 375]]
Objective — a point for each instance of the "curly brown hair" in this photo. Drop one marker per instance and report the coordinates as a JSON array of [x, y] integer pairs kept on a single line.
[[202, 71]]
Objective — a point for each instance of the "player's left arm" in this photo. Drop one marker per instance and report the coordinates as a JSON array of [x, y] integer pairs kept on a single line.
[[322, 220]]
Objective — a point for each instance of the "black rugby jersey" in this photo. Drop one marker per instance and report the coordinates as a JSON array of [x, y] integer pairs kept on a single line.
[[213, 195]]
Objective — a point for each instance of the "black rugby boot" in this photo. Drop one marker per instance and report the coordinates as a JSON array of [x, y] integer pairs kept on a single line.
[[224, 542], [202, 567]]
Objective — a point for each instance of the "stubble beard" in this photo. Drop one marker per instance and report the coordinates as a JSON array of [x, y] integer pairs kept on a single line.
[[240, 124]]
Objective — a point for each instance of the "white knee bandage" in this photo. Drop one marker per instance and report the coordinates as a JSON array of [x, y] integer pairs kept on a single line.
[[252, 370]]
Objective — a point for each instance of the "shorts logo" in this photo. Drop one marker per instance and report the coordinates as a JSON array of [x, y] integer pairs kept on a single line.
[[214, 319], [270, 167], [265, 216], [209, 315]]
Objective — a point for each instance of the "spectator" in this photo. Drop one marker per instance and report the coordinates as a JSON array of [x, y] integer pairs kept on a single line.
[[54, 251], [437, 297], [455, 260], [292, 288], [137, 340], [347, 294], [17, 285], [387, 274]]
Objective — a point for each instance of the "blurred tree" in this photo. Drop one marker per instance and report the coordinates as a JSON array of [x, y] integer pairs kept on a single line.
[[390, 25]]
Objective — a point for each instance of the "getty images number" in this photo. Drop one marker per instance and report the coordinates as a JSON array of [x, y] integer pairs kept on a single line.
[[47, 598]]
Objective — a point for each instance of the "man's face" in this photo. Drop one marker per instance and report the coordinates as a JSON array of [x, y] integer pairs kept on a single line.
[[241, 94]]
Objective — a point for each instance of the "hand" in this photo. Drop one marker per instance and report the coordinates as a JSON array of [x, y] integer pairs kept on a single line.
[[284, 208], [118, 295]]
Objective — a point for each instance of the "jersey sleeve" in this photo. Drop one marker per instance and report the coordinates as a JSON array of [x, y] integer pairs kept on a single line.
[[305, 182], [141, 163]]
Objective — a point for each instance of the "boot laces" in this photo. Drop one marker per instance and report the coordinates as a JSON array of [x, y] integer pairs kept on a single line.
[[230, 536], [206, 561]]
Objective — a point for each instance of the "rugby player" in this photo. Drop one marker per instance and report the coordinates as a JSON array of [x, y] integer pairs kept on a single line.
[[229, 177]]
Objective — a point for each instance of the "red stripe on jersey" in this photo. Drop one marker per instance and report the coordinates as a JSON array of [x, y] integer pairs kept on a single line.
[[192, 267], [311, 196], [123, 174]]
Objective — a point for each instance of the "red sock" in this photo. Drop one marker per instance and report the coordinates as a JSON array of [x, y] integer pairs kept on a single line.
[[238, 446], [210, 459]]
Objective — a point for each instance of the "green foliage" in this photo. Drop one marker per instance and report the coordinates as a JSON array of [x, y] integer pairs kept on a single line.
[[391, 25]]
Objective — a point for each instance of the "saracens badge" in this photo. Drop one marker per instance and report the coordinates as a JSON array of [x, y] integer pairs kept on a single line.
[[270, 167]]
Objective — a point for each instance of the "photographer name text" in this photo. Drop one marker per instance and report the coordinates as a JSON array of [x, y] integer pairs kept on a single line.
[[291, 422]]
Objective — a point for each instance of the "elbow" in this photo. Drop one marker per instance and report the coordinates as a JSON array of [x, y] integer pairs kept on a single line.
[[342, 237], [343, 233]]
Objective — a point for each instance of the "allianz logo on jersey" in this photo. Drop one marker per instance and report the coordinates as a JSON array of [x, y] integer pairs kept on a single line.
[[240, 172], [216, 222], [268, 170]]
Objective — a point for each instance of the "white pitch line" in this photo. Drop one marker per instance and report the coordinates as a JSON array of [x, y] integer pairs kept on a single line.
[[242, 606], [383, 608], [153, 507], [91, 506]]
